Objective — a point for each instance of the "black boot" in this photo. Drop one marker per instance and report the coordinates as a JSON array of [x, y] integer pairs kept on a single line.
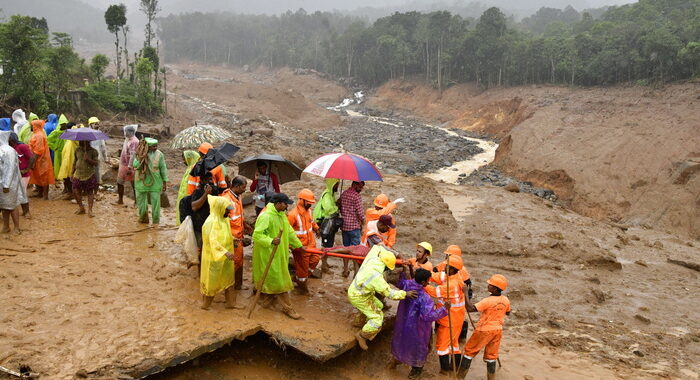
[[444, 363], [457, 359], [491, 370], [415, 373], [464, 365]]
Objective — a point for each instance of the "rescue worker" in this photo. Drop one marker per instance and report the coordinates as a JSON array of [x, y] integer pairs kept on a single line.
[[217, 267], [217, 172], [489, 329], [151, 180], [455, 250], [378, 231], [327, 211], [41, 173], [423, 252], [268, 226], [305, 228], [189, 158], [237, 224], [447, 340], [382, 206], [363, 291]]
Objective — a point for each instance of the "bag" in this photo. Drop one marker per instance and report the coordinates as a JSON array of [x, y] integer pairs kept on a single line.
[[331, 225], [185, 236]]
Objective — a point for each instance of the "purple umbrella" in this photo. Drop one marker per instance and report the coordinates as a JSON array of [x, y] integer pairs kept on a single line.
[[84, 134]]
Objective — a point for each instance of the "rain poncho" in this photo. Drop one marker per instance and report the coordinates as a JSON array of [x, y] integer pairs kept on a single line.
[[101, 147], [25, 133], [191, 158], [410, 343], [361, 293], [6, 124], [326, 205], [267, 227], [216, 273], [20, 120], [51, 123], [42, 172], [149, 179], [10, 177], [56, 144]]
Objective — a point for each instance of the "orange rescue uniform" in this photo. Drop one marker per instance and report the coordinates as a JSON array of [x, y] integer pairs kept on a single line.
[[372, 214], [489, 329], [457, 311], [237, 226], [416, 265], [217, 175], [304, 225], [371, 229]]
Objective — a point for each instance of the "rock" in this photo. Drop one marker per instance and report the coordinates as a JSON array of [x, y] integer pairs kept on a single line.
[[638, 353], [81, 374], [599, 295], [512, 187], [657, 244], [685, 170], [528, 377], [642, 318], [641, 262]]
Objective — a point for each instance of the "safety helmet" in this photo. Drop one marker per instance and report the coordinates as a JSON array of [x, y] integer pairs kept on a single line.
[[204, 147], [93, 120], [388, 259], [454, 250], [307, 195], [381, 200], [428, 247], [499, 281], [456, 262]]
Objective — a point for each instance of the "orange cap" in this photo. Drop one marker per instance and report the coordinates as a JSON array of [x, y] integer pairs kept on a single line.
[[499, 281], [307, 195], [454, 250], [204, 147], [381, 200], [456, 262]]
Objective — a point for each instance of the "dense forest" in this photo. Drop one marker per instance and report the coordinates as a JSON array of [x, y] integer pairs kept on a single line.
[[645, 42]]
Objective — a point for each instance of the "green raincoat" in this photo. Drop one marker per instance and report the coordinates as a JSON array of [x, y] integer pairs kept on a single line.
[[148, 183], [326, 205], [216, 270], [369, 281], [56, 144], [267, 227], [191, 158], [26, 132]]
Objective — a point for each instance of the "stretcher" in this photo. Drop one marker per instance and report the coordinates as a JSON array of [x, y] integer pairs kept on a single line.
[[356, 258]]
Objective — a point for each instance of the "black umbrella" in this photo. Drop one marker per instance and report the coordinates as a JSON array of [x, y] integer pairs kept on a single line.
[[214, 158], [285, 170]]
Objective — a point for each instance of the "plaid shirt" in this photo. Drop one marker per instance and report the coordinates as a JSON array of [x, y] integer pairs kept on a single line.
[[351, 210]]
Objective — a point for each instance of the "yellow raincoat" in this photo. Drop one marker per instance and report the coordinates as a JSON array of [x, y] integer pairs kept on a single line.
[[216, 272], [67, 158]]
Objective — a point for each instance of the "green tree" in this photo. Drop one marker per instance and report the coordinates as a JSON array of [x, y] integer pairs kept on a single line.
[[115, 17], [98, 65], [150, 8]]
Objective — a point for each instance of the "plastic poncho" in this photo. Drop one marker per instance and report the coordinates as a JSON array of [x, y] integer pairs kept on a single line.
[[25, 134], [267, 227], [6, 124], [56, 144], [326, 205], [10, 176], [410, 342], [42, 172], [191, 158], [216, 273], [67, 159], [51, 123], [20, 120]]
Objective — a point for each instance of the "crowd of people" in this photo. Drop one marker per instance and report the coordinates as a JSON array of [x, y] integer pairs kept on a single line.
[[430, 293]]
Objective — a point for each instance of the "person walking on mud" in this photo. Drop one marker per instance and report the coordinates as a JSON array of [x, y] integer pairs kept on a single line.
[[126, 170], [84, 179], [353, 218], [12, 192], [41, 173], [263, 182], [26, 161], [303, 224], [151, 180], [273, 232], [238, 226]]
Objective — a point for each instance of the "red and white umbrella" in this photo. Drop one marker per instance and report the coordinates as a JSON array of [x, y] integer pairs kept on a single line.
[[346, 166]]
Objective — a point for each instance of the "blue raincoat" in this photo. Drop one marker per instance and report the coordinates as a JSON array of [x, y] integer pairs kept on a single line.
[[5, 124], [413, 327], [50, 126]]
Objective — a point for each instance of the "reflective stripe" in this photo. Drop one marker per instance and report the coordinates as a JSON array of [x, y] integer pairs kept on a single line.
[[235, 217], [364, 284], [442, 276], [371, 323], [438, 292], [468, 357], [192, 183], [223, 183], [457, 304], [489, 361], [300, 226], [392, 293], [445, 352]]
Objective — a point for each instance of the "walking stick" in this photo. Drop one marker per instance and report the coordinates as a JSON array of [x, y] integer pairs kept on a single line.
[[251, 307], [449, 317], [474, 328]]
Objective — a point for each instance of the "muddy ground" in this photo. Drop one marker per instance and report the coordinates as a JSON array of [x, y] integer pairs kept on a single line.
[[590, 298]]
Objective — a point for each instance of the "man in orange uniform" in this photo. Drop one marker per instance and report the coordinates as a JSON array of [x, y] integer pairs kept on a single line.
[[377, 232], [382, 206], [489, 330], [303, 223], [422, 259], [217, 172], [238, 226], [455, 250], [447, 340]]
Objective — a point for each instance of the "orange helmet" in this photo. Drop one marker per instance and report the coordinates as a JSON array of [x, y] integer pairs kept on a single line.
[[381, 200], [454, 250], [204, 147], [456, 262], [307, 195], [499, 281]]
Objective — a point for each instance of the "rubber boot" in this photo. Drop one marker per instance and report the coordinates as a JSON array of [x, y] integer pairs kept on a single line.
[[464, 365], [238, 279], [457, 358], [230, 293], [444, 364], [415, 373], [491, 370], [206, 302]]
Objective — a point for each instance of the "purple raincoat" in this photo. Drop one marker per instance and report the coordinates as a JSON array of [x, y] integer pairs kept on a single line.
[[413, 327]]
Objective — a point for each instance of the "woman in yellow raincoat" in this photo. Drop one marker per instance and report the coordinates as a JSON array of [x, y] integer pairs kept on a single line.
[[191, 157], [217, 270], [67, 161]]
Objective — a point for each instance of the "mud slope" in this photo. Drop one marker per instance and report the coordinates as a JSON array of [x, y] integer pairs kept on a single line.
[[628, 154]]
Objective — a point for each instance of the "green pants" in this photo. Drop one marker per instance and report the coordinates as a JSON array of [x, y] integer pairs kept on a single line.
[[142, 201], [371, 307]]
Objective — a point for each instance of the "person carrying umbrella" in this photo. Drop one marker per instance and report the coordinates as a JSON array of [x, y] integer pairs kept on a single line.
[[353, 218], [126, 170], [41, 174], [83, 178], [263, 182], [67, 160], [217, 172], [326, 211], [100, 147], [273, 231], [151, 180]]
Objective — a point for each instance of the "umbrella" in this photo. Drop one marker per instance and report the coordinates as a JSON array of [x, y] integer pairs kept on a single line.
[[192, 137], [344, 166], [285, 170], [84, 134], [214, 158]]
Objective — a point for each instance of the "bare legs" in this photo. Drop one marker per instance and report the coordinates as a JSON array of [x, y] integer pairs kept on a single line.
[[79, 199], [6, 214]]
